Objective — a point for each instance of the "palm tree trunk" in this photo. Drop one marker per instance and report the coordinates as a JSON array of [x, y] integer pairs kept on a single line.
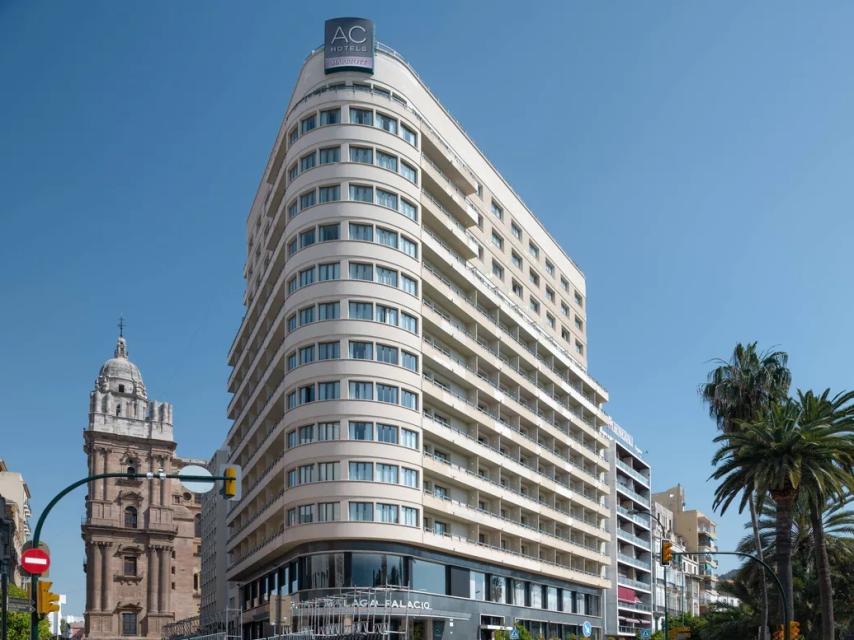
[[757, 542], [825, 589], [785, 501]]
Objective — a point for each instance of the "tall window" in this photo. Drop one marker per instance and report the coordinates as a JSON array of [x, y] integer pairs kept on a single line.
[[129, 566], [197, 525], [130, 517], [129, 623]]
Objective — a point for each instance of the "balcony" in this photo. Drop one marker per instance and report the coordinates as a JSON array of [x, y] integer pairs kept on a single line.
[[634, 473], [441, 156], [637, 584], [639, 518], [633, 538], [635, 562], [634, 495]]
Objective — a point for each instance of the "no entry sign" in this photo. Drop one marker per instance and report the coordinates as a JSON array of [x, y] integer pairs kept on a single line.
[[35, 561]]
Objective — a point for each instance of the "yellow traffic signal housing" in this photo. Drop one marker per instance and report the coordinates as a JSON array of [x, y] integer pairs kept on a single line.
[[666, 553], [778, 633], [46, 601], [794, 630], [231, 484]]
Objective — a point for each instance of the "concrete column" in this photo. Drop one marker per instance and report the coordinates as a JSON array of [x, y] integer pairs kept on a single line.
[[106, 576], [165, 575], [152, 579], [95, 602]]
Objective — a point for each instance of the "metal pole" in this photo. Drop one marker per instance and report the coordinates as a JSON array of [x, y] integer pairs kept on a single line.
[[4, 588], [666, 616]]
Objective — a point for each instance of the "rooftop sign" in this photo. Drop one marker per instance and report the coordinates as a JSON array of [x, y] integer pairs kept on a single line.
[[348, 45]]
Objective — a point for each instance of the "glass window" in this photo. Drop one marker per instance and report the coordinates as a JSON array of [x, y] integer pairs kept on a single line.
[[372, 569], [306, 434], [361, 430], [361, 232], [307, 200], [387, 433], [387, 315], [306, 277], [387, 473], [328, 311], [293, 172], [387, 513], [518, 593], [328, 350], [386, 199], [386, 393], [361, 471], [292, 400], [293, 135], [305, 513], [409, 438], [129, 566], [292, 517], [328, 390], [361, 350], [327, 430], [409, 399], [360, 390], [409, 516], [497, 240], [409, 135], [306, 354], [292, 439], [386, 237], [408, 247], [428, 576], [361, 193], [307, 124], [293, 246], [534, 304], [533, 250], [386, 276], [361, 271], [568, 601], [537, 596], [329, 155], [330, 116], [497, 211], [327, 471], [327, 512], [361, 154], [410, 361], [408, 322], [497, 587], [361, 116], [387, 354], [516, 259], [293, 209], [292, 360], [306, 394], [564, 283], [329, 232], [410, 477], [129, 624], [307, 162], [306, 238], [361, 310], [328, 271], [292, 322], [516, 230], [409, 172], [497, 270], [306, 316], [330, 194], [387, 122], [408, 209], [477, 582], [409, 285], [386, 160], [551, 598], [550, 268]]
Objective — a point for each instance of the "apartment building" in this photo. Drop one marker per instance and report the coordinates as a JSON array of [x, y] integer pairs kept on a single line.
[[697, 532], [411, 403], [683, 585], [629, 600], [16, 502], [215, 594]]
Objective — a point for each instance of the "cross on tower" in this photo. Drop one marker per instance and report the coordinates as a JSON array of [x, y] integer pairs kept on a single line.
[[121, 326]]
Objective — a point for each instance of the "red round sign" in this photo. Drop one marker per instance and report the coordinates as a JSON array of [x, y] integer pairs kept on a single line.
[[35, 561]]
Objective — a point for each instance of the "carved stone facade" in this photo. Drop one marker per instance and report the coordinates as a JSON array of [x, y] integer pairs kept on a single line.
[[142, 536]]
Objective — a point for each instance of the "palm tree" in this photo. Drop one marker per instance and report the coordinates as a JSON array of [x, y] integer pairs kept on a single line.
[[780, 455], [742, 389]]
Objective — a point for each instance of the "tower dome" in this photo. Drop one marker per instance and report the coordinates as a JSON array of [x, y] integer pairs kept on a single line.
[[120, 375]]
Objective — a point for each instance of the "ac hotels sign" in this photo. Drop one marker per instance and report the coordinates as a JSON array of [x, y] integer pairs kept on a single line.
[[348, 45]]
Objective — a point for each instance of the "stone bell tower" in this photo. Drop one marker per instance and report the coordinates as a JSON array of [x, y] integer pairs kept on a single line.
[[141, 536]]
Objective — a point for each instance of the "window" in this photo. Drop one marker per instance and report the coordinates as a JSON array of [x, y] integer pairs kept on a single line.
[[386, 393], [129, 566], [306, 238], [362, 154], [409, 135], [293, 135], [497, 240], [387, 473], [440, 528], [362, 511], [409, 399], [330, 116], [361, 193], [306, 316], [387, 513], [534, 277], [129, 626], [328, 390], [292, 400], [408, 209], [293, 245], [387, 433], [306, 354], [579, 323], [387, 354], [329, 155], [410, 477], [409, 285], [410, 361], [328, 271], [361, 232], [534, 304], [292, 322], [516, 259], [306, 394], [307, 200], [408, 322], [308, 124], [387, 161], [551, 320], [550, 294], [360, 390], [478, 586], [305, 513], [361, 310], [362, 471], [361, 271], [307, 162], [497, 211], [306, 434], [579, 348], [517, 288], [496, 588], [409, 172], [292, 517], [329, 231], [130, 517], [293, 172], [387, 276], [579, 300], [327, 430], [386, 199], [533, 250], [564, 283], [408, 247], [361, 430], [550, 268], [387, 315], [361, 116], [306, 277], [330, 194], [516, 230], [361, 350], [293, 209], [409, 516], [387, 122], [409, 438], [564, 333], [497, 270], [327, 512], [386, 237], [328, 311], [327, 471]]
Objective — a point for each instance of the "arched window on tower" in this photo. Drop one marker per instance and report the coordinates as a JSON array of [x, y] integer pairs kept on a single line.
[[130, 517], [197, 524], [131, 470]]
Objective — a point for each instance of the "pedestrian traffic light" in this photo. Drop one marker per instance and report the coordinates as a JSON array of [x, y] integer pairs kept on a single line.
[[46, 602], [231, 483], [666, 553], [794, 630]]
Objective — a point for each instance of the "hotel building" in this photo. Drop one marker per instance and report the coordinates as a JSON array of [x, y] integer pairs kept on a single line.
[[411, 403]]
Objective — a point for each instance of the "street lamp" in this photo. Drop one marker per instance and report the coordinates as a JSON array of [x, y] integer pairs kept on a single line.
[[654, 517]]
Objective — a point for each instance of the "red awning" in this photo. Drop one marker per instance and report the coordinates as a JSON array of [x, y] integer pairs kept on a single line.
[[627, 595]]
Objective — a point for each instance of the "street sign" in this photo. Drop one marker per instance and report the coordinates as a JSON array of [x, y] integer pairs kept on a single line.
[[646, 634], [587, 629], [35, 561], [196, 486], [514, 634], [21, 605]]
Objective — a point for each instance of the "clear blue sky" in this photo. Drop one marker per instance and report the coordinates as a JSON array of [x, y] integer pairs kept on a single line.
[[694, 158]]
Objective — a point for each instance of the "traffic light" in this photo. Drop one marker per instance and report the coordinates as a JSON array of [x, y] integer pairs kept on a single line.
[[46, 601], [794, 630], [778, 633], [666, 553], [231, 484]]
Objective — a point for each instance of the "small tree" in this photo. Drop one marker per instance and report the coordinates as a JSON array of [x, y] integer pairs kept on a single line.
[[19, 623]]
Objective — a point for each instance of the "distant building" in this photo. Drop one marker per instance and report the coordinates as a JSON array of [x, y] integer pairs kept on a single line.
[[55, 618], [142, 537], [684, 582], [17, 496]]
